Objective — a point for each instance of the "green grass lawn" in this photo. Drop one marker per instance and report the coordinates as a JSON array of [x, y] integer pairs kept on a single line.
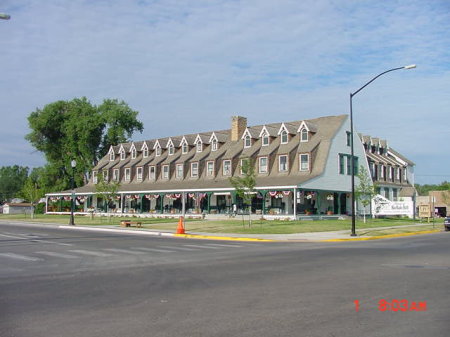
[[236, 225]]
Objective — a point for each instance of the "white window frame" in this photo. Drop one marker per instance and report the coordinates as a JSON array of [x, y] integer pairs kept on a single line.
[[263, 168], [304, 136], [105, 175], [226, 163], [116, 175], [300, 167], [214, 144], [194, 169], [165, 172], [112, 156], [279, 163], [133, 153], [199, 146], [139, 173], [282, 135], [247, 141], [171, 149], [210, 168], [95, 177], [122, 155], [145, 152], [127, 175], [152, 175], [265, 140], [179, 171], [158, 151], [184, 148]]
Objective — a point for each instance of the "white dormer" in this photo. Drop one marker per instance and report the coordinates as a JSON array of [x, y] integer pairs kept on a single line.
[[265, 137], [157, 148], [198, 143], [304, 132], [170, 147], [111, 154], [184, 145], [122, 153], [133, 151], [284, 134], [247, 137], [214, 142], [144, 150]]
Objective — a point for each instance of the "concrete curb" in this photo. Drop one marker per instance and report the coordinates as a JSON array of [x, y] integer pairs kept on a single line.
[[383, 236], [224, 238], [112, 230]]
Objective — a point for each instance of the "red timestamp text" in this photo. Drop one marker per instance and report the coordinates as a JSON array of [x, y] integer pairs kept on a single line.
[[396, 305]]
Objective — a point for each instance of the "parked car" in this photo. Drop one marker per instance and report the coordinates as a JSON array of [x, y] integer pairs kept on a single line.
[[447, 223]]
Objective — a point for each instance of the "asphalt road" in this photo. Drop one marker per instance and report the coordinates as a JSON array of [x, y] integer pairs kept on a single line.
[[56, 282]]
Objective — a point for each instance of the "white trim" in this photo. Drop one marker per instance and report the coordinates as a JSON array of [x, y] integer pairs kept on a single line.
[[223, 167], [111, 153], [282, 127], [125, 174], [303, 126], [142, 173], [192, 171], [213, 168], [176, 171], [163, 177], [263, 131], [170, 147], [279, 163], [133, 151], [267, 164], [300, 162]]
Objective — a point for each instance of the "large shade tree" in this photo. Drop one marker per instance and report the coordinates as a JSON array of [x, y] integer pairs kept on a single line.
[[77, 129], [12, 179]]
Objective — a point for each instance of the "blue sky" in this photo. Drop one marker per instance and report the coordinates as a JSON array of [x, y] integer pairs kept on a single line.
[[188, 66]]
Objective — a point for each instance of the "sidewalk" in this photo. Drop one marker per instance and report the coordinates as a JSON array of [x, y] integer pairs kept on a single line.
[[335, 236]]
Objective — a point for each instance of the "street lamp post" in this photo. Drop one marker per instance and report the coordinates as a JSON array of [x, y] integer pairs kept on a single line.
[[352, 169], [73, 163]]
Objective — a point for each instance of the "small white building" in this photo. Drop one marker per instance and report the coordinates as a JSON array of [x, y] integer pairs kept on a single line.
[[17, 208]]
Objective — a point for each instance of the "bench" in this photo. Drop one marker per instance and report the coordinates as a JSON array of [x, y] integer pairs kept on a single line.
[[129, 223]]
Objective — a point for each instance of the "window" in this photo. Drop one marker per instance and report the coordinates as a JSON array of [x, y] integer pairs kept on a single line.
[[283, 163], [214, 145], [349, 165], [210, 168], [122, 155], [116, 174], [127, 174], [284, 137], [342, 164], [171, 149], [194, 170], [94, 177], [139, 171], [392, 173], [247, 141], [263, 164], [265, 139], [226, 169], [111, 156], [382, 171], [243, 163], [395, 194], [304, 135], [105, 175], [179, 171], [158, 151], [184, 148], [152, 173], [145, 152], [165, 172], [133, 153], [349, 138], [304, 162], [199, 146]]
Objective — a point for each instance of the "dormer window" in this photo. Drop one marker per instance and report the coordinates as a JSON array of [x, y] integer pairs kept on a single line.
[[265, 139], [122, 155], [214, 145], [139, 173], [184, 148], [133, 153], [112, 156], [199, 146], [171, 149], [116, 175], [247, 141], [284, 137], [158, 151], [127, 174], [145, 152], [304, 135]]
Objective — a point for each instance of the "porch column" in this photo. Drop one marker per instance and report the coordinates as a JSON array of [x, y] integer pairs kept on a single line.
[[161, 195], [317, 201], [142, 202], [122, 199], [263, 193], [46, 204], [339, 203], [208, 196], [295, 203]]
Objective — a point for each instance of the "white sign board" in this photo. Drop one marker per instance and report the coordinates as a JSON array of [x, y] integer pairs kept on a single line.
[[383, 206]]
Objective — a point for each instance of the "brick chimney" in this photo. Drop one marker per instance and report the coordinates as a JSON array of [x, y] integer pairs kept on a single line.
[[238, 126]]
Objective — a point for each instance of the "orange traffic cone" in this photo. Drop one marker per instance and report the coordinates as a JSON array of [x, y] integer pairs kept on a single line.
[[180, 228]]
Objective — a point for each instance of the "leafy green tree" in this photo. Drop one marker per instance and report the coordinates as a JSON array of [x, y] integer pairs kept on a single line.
[[245, 185], [12, 179], [32, 193], [365, 190], [77, 129]]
